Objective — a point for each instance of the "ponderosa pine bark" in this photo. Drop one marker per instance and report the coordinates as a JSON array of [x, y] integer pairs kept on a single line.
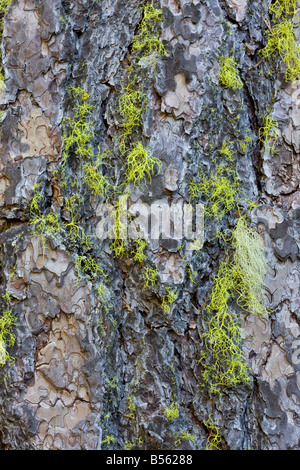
[[125, 344]]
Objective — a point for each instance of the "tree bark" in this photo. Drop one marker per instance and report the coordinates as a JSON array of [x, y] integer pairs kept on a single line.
[[99, 369]]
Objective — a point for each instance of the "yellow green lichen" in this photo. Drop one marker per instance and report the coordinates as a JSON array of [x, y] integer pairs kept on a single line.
[[3, 9], [93, 176], [229, 75], [110, 439], [227, 149], [147, 41], [150, 276], [118, 230], [46, 226], [131, 406], [7, 324], [283, 8], [214, 438], [103, 295], [281, 38], [168, 300], [140, 165], [239, 281], [139, 247], [131, 107], [268, 133], [78, 129], [172, 412], [221, 191], [184, 436], [88, 267]]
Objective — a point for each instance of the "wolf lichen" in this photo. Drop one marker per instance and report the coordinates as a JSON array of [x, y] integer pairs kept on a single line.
[[89, 268], [225, 364], [93, 176], [184, 436], [268, 133], [227, 149], [150, 277], [221, 190], [140, 165], [36, 200], [139, 162], [118, 230], [229, 75], [281, 38], [172, 412], [147, 41], [3, 9], [75, 231], [131, 406], [46, 226], [214, 438], [131, 107], [168, 299], [78, 129], [7, 324], [239, 281], [284, 8], [138, 250], [78, 135], [103, 295], [110, 439]]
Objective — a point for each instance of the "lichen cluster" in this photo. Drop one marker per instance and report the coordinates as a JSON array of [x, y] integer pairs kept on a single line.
[[268, 133], [220, 189], [239, 282], [3, 9], [229, 75], [282, 41], [214, 440], [7, 325], [82, 170]]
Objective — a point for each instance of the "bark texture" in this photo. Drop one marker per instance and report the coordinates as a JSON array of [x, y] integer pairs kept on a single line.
[[88, 377]]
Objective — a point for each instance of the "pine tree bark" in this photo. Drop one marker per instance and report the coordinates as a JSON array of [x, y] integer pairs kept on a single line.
[[93, 375]]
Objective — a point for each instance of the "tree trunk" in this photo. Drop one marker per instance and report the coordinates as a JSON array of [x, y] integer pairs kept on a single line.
[[109, 343]]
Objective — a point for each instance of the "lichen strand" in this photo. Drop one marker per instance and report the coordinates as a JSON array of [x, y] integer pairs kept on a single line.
[[94, 178], [229, 75], [118, 229], [221, 189], [284, 8], [268, 133], [140, 165], [214, 441], [172, 412], [78, 134], [131, 106], [281, 38], [147, 42], [168, 300], [63, 224], [7, 324], [3, 9], [239, 282]]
